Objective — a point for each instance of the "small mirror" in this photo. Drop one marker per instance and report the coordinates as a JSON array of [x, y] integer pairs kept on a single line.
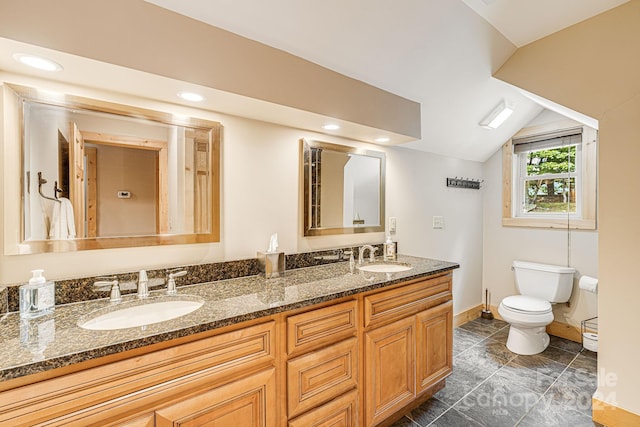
[[103, 175], [343, 189]]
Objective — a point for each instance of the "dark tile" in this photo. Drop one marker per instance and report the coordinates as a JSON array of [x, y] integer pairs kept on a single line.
[[532, 380], [453, 418], [488, 354], [483, 327], [465, 377], [590, 354], [570, 397], [428, 411], [463, 340], [540, 364], [565, 344], [549, 412], [498, 402], [404, 422], [501, 336], [586, 364], [579, 378], [495, 323], [558, 355]]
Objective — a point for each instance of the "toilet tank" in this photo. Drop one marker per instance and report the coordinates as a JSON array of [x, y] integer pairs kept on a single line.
[[551, 283]]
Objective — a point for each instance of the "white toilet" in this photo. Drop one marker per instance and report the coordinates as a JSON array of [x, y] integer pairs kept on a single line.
[[530, 312]]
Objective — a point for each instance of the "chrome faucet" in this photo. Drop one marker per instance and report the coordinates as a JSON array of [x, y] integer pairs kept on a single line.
[[372, 252], [171, 281], [115, 289], [143, 285]]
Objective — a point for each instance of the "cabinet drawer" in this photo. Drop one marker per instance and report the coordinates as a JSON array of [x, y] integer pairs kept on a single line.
[[317, 328], [321, 375], [340, 412], [394, 304], [120, 388]]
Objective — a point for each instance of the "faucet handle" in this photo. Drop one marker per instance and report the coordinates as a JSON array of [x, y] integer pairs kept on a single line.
[[372, 253], [115, 288], [171, 281], [176, 273]]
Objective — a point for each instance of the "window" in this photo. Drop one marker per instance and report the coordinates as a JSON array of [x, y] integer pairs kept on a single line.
[[550, 178]]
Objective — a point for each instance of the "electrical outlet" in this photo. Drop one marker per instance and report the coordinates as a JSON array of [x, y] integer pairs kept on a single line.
[[392, 224], [438, 222]]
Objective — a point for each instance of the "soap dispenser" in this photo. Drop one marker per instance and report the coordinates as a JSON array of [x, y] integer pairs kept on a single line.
[[37, 297], [389, 252]]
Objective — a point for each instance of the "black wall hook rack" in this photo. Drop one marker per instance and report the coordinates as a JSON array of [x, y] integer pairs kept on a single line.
[[464, 183]]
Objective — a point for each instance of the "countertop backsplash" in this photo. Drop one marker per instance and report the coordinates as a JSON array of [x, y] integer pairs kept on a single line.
[[83, 289]]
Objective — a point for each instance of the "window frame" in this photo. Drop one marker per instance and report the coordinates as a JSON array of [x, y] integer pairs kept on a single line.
[[586, 218]]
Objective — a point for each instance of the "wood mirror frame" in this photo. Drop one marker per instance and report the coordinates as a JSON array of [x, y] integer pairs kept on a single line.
[[14, 228]]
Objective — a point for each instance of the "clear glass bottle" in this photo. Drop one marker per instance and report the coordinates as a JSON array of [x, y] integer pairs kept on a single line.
[[389, 249], [37, 297]]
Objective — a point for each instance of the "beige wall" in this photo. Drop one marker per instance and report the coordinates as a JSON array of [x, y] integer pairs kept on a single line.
[[142, 36], [594, 68], [261, 195]]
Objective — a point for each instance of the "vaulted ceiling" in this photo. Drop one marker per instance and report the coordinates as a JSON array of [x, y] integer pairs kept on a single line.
[[440, 53]]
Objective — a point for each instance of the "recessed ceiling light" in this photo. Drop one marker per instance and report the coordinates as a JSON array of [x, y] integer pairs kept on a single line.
[[191, 96], [37, 62], [382, 139], [331, 126]]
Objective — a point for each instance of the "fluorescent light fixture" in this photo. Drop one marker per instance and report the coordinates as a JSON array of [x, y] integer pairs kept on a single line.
[[331, 126], [191, 96], [382, 139], [498, 115], [38, 62]]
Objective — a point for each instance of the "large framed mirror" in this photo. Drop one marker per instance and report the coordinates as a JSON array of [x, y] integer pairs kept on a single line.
[[96, 174], [343, 189]]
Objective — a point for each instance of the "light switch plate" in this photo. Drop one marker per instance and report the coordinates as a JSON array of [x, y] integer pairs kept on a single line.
[[392, 224], [438, 222]]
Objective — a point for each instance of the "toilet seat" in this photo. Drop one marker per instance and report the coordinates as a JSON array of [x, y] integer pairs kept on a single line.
[[526, 305]]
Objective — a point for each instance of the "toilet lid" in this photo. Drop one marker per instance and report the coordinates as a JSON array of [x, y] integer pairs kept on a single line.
[[527, 304]]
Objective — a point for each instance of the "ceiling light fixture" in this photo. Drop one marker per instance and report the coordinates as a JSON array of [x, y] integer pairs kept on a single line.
[[382, 139], [498, 115], [38, 62], [331, 126], [191, 96]]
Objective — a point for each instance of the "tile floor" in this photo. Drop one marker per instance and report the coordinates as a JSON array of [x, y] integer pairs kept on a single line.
[[491, 386]]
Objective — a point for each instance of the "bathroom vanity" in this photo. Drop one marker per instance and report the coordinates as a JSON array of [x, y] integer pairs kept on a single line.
[[323, 345]]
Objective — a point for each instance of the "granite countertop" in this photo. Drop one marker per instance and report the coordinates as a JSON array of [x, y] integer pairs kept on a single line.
[[55, 340]]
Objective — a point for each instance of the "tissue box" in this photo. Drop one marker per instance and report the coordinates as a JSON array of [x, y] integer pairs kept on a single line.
[[271, 264]]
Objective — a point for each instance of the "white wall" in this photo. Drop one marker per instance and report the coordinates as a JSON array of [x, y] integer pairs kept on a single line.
[[417, 191], [261, 195], [501, 245]]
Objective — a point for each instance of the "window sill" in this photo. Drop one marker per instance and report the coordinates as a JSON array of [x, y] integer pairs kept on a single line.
[[556, 223]]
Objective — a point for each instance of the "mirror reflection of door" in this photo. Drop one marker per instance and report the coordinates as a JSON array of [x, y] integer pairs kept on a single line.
[[126, 191], [77, 178], [123, 176]]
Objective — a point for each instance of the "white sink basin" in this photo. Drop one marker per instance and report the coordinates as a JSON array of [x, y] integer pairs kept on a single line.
[[140, 313], [385, 267]]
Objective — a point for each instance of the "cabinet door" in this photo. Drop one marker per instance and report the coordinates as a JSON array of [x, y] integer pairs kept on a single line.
[[249, 402], [434, 343], [389, 369]]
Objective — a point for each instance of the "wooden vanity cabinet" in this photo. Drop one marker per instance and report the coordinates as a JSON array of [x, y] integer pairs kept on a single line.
[[351, 363], [408, 345], [129, 391]]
